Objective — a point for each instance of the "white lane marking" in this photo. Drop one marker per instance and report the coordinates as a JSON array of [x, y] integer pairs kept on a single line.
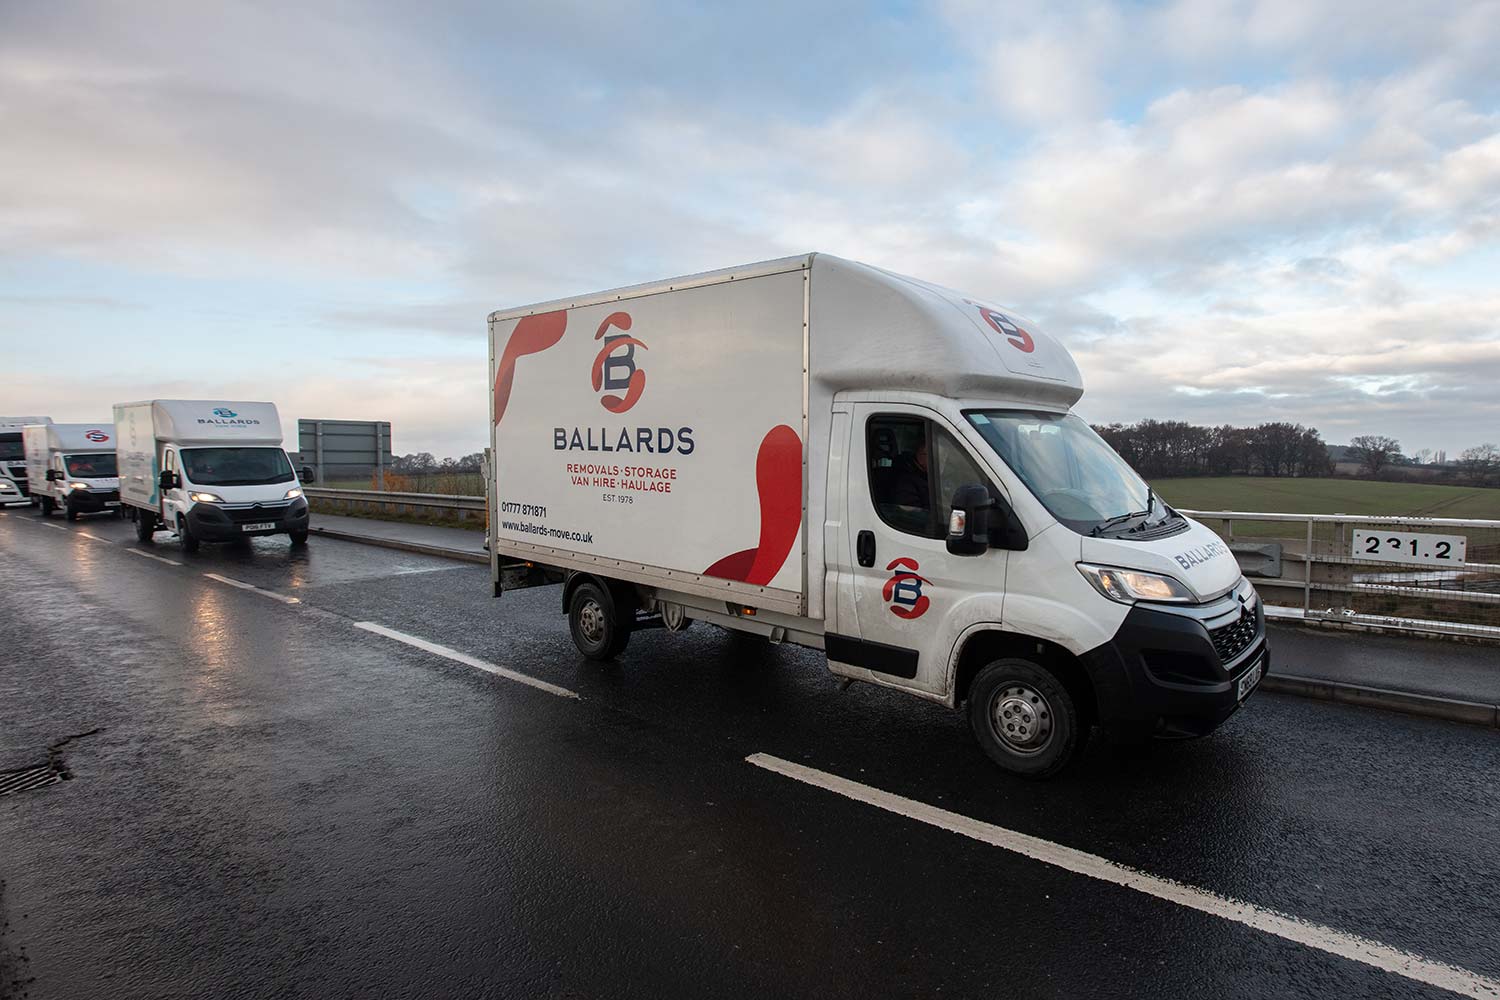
[[85, 534], [1295, 929], [466, 659], [57, 527], [147, 555], [284, 599]]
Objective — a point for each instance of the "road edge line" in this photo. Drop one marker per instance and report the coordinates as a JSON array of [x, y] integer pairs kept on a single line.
[[448, 653], [419, 548], [1428, 706], [1320, 937]]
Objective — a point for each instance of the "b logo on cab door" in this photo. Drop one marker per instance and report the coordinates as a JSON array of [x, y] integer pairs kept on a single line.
[[903, 591], [615, 367]]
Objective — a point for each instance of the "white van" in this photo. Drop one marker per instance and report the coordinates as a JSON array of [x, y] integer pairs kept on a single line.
[[13, 452], [72, 466], [829, 454], [210, 470]]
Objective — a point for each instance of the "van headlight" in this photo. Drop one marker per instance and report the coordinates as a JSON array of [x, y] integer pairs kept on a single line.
[[1130, 585], [293, 493], [78, 486], [205, 498]]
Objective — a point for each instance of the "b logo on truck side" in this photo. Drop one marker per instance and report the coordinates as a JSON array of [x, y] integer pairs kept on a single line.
[[615, 367], [903, 591]]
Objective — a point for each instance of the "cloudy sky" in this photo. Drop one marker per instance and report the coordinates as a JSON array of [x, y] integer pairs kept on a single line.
[[1230, 211]]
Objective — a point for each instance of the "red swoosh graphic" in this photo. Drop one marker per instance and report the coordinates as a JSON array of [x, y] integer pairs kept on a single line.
[[778, 479], [533, 334]]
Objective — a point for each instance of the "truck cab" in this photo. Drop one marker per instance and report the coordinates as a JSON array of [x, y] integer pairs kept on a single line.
[[72, 467], [13, 453]]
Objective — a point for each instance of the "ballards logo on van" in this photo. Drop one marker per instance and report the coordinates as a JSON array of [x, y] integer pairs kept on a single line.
[[903, 591], [614, 366], [225, 412], [1201, 554], [640, 440], [98, 437], [228, 418]]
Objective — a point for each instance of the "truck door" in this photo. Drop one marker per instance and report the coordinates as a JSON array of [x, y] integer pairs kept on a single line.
[[173, 501], [911, 597]]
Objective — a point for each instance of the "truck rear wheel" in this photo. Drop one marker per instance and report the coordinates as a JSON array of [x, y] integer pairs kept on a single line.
[[1024, 718], [594, 620], [145, 525]]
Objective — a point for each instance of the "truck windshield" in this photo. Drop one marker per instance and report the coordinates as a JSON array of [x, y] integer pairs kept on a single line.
[[236, 466], [100, 466], [1079, 479], [11, 448]]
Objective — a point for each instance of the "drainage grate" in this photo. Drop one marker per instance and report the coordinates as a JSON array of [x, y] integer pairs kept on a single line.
[[28, 778]]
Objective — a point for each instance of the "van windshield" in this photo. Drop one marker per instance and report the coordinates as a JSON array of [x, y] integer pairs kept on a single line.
[[1079, 479], [100, 466], [236, 466], [11, 448]]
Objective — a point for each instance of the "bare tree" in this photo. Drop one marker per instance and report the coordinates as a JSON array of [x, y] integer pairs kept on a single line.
[[1374, 451], [1481, 464]]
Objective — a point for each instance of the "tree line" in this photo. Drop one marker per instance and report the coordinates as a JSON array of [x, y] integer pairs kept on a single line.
[[1168, 448]]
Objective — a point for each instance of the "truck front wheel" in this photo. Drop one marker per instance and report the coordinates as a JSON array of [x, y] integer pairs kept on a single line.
[[145, 525], [186, 536], [48, 506], [1024, 718], [595, 623]]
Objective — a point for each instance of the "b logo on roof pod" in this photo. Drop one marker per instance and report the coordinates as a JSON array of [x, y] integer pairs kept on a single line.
[[96, 436], [224, 411], [615, 367], [903, 591], [1007, 328]]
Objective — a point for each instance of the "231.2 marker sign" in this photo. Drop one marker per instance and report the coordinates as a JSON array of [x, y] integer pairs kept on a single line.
[[1408, 547]]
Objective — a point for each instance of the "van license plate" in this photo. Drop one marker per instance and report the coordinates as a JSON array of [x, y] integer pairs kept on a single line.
[[1249, 679], [258, 526]]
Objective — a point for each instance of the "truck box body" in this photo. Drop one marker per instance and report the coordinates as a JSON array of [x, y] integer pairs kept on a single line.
[[827, 453], [81, 458], [13, 450]]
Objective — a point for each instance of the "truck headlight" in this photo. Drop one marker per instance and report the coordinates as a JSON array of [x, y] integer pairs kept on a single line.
[[78, 486], [205, 498], [1130, 585], [293, 493]]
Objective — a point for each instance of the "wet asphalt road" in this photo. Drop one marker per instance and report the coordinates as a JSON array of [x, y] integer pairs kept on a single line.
[[278, 803]]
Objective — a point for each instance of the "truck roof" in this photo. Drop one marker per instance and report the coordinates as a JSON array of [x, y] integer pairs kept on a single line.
[[207, 421], [870, 329], [95, 437]]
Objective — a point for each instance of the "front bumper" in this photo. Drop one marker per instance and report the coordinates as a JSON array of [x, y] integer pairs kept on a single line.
[[92, 501], [1162, 674], [213, 523]]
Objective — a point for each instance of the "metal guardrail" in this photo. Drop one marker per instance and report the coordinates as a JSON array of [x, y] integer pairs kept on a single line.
[[1321, 576], [384, 502], [1303, 564]]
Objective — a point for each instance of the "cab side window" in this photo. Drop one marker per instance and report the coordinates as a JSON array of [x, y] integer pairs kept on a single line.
[[915, 467]]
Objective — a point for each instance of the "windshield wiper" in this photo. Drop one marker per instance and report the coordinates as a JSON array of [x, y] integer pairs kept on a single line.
[[1099, 528]]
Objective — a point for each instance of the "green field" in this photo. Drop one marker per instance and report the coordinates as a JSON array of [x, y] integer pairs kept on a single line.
[[1329, 496]]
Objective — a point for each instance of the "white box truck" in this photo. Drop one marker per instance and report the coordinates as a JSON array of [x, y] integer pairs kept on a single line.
[[13, 452], [830, 454], [72, 466], [210, 470]]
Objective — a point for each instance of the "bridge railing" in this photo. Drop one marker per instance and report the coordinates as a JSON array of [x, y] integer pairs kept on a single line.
[[1414, 574]]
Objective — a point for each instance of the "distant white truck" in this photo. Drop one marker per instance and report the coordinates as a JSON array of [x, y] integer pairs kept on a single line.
[[72, 466], [13, 452], [209, 470], [829, 454]]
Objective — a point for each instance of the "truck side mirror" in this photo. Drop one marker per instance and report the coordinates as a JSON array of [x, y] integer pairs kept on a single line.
[[969, 521], [53, 475], [308, 475], [169, 480]]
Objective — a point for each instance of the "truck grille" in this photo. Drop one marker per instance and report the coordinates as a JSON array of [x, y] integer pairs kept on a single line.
[[1233, 639], [257, 512]]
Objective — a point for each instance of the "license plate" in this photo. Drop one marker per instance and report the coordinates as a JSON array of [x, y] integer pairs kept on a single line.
[[1249, 679], [259, 526]]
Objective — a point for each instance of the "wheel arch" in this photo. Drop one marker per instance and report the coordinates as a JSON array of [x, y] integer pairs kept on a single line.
[[983, 645]]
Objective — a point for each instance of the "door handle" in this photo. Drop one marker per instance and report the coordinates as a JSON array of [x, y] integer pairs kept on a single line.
[[864, 548]]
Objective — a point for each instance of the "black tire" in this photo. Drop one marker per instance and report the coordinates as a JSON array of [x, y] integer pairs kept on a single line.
[[1024, 718], [594, 620], [69, 512], [298, 537], [185, 535], [145, 526], [48, 506]]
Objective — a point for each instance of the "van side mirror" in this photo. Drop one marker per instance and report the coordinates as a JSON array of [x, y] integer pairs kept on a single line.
[[53, 475], [969, 520], [169, 480], [308, 476]]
